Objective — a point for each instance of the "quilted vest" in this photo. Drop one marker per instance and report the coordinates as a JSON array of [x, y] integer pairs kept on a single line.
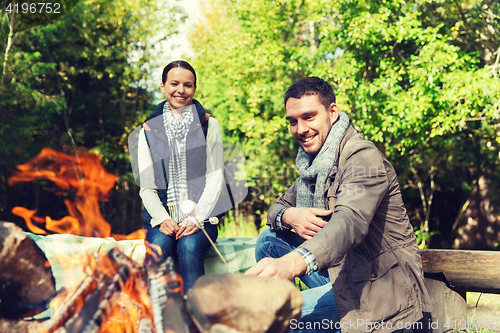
[[196, 154]]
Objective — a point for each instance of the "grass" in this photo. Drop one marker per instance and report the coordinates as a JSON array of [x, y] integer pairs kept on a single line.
[[484, 299], [299, 284], [483, 310], [228, 227]]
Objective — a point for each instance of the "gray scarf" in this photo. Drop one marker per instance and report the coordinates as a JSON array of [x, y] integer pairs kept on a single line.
[[177, 170], [313, 170]]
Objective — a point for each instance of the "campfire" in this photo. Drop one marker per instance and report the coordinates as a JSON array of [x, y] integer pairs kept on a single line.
[[112, 298], [115, 286], [117, 294], [82, 175]]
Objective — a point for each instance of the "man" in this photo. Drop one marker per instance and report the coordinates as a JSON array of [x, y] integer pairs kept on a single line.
[[353, 245]]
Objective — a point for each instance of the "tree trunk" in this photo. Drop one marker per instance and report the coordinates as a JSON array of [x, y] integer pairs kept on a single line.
[[480, 226], [11, 23]]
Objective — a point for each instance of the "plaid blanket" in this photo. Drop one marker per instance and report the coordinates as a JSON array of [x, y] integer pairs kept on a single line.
[[67, 254]]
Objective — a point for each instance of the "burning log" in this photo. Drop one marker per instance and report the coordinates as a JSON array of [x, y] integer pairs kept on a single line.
[[91, 306], [26, 281], [167, 290], [118, 295], [113, 297], [86, 309], [145, 325], [99, 303], [72, 303], [20, 326]]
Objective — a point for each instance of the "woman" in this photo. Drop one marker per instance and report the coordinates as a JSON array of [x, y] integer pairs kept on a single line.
[[180, 158]]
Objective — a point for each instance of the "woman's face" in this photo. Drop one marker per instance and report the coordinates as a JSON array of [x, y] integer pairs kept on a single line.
[[178, 88]]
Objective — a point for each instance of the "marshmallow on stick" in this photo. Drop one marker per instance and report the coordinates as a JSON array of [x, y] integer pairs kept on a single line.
[[190, 208]]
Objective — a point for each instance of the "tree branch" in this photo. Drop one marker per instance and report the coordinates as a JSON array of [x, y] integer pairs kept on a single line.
[[11, 22]]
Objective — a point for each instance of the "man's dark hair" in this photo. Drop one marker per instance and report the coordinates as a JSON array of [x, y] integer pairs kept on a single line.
[[312, 86], [178, 63]]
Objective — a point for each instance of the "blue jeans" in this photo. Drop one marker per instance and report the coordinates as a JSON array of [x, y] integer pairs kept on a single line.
[[188, 250], [320, 312]]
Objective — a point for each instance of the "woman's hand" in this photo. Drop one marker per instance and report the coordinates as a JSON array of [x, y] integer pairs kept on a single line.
[[169, 227], [186, 227]]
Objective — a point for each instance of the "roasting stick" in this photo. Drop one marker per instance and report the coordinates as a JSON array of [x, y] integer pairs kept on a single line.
[[190, 208]]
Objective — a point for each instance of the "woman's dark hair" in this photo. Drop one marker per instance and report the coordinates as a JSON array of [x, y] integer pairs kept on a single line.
[[174, 64], [312, 86]]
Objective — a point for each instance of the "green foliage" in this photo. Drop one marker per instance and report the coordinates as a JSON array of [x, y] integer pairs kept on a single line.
[[431, 106], [246, 59], [229, 227], [423, 237], [412, 75], [34, 13], [419, 78], [301, 285], [80, 82]]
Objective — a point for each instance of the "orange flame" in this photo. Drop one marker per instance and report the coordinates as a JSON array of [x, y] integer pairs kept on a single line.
[[29, 217], [138, 234], [128, 305], [153, 250], [84, 175]]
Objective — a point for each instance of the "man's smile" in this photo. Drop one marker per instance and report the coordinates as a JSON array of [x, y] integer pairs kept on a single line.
[[308, 139]]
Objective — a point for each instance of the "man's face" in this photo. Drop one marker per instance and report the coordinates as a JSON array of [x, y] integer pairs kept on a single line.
[[310, 122]]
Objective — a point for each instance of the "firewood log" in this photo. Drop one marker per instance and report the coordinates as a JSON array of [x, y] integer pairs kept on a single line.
[[89, 305], [20, 326], [26, 280]]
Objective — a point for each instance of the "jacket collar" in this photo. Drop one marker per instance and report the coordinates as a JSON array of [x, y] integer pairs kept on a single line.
[[154, 122], [349, 133]]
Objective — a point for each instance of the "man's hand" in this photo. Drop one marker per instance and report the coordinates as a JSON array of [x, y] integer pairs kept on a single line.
[[305, 221], [287, 267], [169, 227], [186, 227]]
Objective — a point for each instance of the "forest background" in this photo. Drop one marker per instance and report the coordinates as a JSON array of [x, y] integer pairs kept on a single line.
[[419, 78]]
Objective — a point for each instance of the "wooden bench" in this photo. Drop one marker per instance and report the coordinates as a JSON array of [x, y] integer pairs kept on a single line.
[[449, 274]]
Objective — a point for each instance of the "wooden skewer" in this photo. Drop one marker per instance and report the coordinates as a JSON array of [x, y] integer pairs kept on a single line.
[[216, 249], [190, 208]]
